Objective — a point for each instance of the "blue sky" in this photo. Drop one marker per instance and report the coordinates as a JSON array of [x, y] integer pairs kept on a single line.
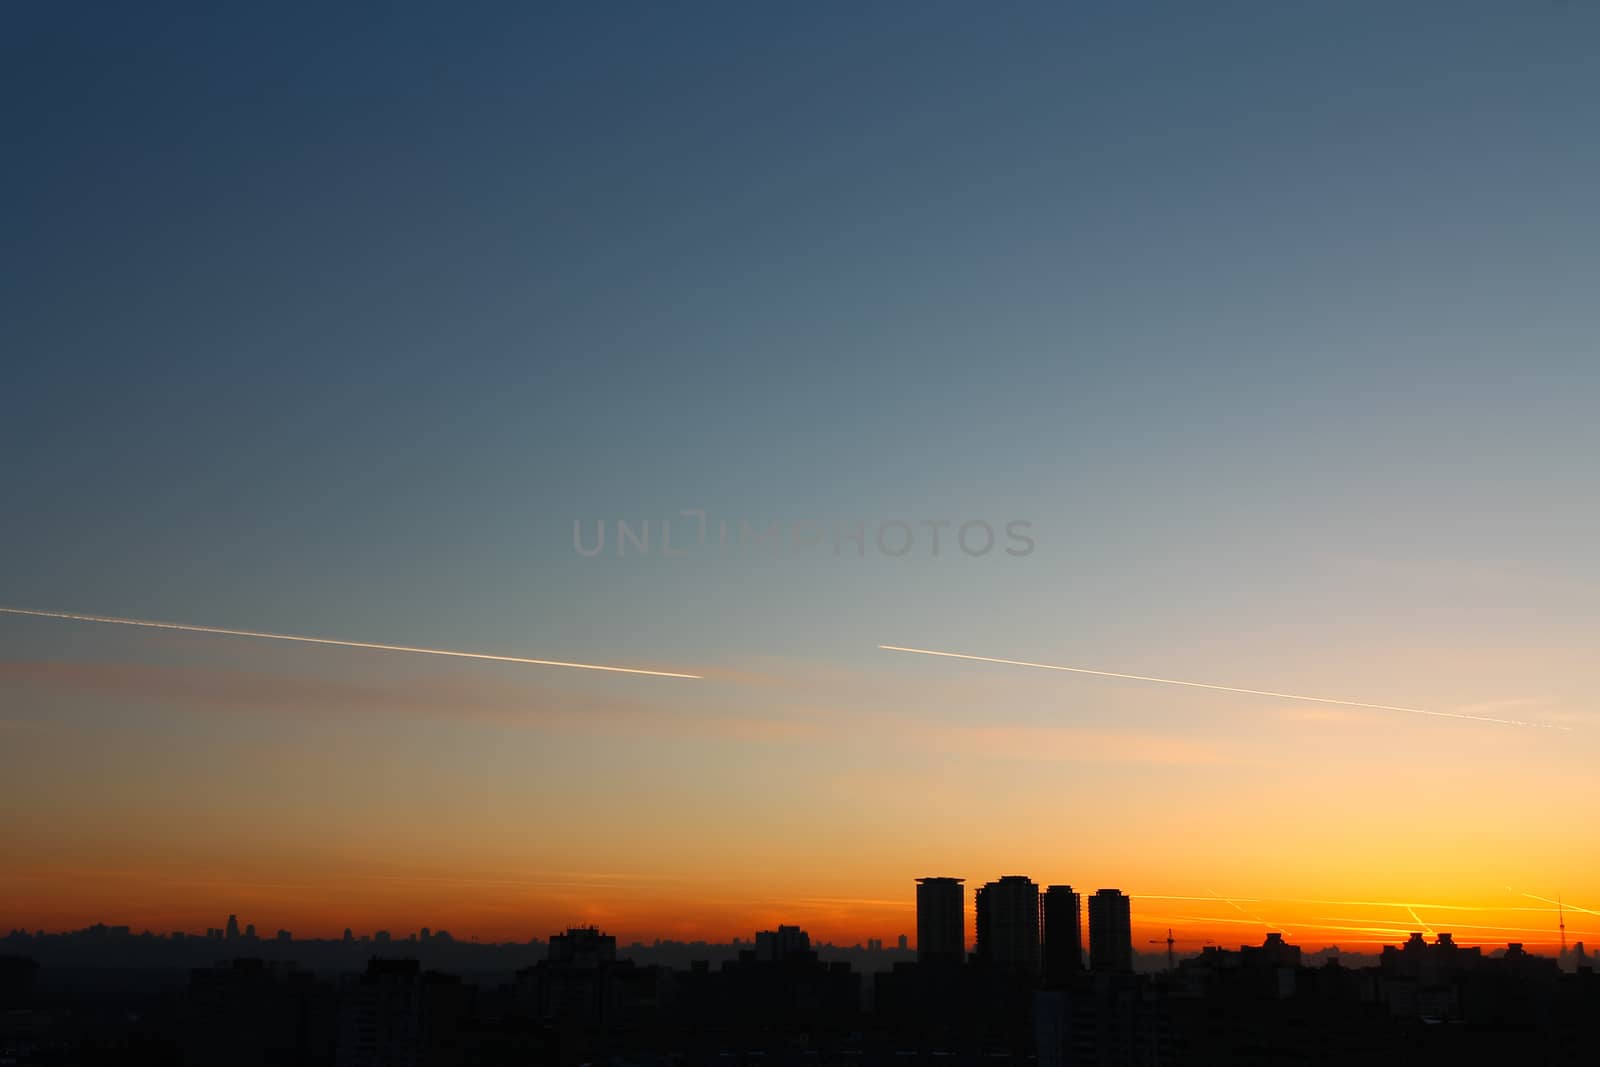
[[324, 293], [318, 315]]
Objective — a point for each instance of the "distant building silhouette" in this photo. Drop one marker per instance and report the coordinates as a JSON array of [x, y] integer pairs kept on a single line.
[[1062, 911], [1274, 952], [233, 928], [583, 946], [1110, 932], [941, 920], [1008, 924], [784, 943]]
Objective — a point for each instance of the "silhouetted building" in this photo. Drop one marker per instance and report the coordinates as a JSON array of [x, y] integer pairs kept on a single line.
[[1062, 911], [1110, 932], [582, 946], [17, 977], [941, 920], [582, 986], [1105, 1018], [781, 984], [1273, 952], [786, 942], [1419, 979], [1008, 924], [233, 928], [396, 1015], [252, 1012]]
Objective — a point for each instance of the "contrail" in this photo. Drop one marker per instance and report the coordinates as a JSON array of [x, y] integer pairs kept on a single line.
[[1222, 688], [1557, 903], [343, 644], [1213, 896], [1253, 915], [1425, 927]]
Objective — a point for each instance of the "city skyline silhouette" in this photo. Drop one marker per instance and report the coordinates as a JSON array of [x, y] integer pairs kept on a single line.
[[1053, 976]]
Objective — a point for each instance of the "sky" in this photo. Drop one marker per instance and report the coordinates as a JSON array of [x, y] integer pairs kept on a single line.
[[1269, 329]]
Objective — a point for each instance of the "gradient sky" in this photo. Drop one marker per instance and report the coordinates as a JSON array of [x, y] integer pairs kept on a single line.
[[1275, 321]]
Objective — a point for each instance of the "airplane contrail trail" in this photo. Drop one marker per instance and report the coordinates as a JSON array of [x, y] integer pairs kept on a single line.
[[334, 641], [1557, 903], [1222, 688], [1253, 915]]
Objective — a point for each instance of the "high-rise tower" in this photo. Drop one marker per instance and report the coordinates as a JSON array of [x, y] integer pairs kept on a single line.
[[1008, 924], [941, 920], [1110, 932], [1062, 911]]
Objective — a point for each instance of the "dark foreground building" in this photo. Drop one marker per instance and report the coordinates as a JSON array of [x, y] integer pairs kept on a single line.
[[781, 1001]]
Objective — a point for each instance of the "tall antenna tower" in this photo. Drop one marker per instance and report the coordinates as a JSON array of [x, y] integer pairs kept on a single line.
[[1561, 920]]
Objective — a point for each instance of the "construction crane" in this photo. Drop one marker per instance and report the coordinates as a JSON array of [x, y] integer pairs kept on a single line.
[[1170, 941]]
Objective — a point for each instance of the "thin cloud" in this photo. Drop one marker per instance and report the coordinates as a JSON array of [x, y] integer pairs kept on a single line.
[[1065, 744], [211, 690]]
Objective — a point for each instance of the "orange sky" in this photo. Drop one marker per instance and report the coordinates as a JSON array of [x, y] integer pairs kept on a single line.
[[167, 785], [507, 907]]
